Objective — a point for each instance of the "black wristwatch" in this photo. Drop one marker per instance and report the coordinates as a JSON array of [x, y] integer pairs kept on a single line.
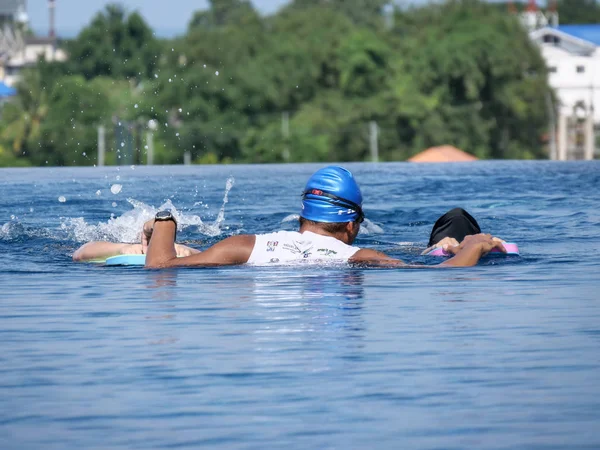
[[163, 216]]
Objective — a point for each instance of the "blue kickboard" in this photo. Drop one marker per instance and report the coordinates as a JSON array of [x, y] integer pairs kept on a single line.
[[126, 260]]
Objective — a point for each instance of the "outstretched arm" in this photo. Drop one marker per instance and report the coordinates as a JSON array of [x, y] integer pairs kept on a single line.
[[466, 254], [99, 250], [160, 235]]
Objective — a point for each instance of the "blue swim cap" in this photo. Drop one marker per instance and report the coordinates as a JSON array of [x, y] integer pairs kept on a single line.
[[332, 195]]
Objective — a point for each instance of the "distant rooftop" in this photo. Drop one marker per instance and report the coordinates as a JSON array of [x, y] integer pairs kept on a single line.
[[590, 33], [12, 7], [443, 153]]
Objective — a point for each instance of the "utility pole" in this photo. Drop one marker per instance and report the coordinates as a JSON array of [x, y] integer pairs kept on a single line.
[[149, 148], [373, 140], [590, 139], [285, 132], [552, 126], [562, 136], [101, 145]]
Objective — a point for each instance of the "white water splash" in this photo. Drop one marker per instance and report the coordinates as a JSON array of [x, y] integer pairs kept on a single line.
[[215, 228], [368, 227], [116, 188], [128, 226]]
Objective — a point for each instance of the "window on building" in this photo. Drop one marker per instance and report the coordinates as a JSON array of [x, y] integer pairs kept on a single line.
[[552, 69], [580, 69], [551, 39]]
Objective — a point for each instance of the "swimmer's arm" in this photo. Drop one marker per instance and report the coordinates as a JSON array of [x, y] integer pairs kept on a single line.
[[466, 254], [230, 251], [448, 242], [471, 249], [100, 250], [369, 257], [445, 243]]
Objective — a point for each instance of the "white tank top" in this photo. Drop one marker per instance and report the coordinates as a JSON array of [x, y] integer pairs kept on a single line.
[[291, 246]]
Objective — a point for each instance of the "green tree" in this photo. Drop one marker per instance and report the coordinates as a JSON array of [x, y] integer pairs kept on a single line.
[[114, 44], [81, 104], [22, 118], [471, 78]]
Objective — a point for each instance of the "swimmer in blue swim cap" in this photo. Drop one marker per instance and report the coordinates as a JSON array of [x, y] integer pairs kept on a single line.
[[330, 220]]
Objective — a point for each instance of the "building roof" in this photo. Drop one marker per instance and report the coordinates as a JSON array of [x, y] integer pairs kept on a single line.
[[11, 7], [6, 91], [590, 33], [444, 153]]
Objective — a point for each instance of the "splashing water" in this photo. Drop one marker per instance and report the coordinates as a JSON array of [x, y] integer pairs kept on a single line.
[[127, 227], [215, 228]]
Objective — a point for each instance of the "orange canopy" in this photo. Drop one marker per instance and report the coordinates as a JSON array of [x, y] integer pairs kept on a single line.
[[443, 153]]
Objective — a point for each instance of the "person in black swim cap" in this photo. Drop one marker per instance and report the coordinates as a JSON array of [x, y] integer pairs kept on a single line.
[[330, 220]]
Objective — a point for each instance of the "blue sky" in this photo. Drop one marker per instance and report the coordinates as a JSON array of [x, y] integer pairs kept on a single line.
[[166, 17]]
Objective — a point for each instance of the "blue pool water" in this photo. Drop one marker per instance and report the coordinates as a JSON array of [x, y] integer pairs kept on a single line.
[[499, 356]]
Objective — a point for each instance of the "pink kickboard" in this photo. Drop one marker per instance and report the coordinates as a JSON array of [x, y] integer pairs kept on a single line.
[[511, 249]]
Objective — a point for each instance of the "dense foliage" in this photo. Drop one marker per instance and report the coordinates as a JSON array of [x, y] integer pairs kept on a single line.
[[302, 85]]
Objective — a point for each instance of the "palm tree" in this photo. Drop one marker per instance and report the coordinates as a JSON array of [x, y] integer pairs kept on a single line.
[[23, 117]]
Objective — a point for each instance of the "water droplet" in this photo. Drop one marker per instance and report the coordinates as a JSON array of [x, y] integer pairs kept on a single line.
[[62, 199], [170, 80], [155, 75], [135, 106], [118, 177], [116, 188], [217, 73], [180, 110], [114, 204], [98, 192], [122, 144], [204, 66]]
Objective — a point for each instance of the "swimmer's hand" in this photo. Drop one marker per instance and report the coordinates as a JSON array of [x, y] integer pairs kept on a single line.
[[485, 242], [184, 250], [449, 242], [471, 249], [181, 250], [147, 234], [445, 243]]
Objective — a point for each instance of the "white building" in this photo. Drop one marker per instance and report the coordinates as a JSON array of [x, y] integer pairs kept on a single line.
[[27, 55], [17, 50], [572, 54]]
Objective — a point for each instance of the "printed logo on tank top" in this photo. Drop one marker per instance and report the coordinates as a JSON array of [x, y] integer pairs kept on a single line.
[[299, 248], [271, 245], [326, 251]]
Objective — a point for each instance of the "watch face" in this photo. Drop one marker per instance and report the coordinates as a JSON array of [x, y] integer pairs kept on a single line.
[[163, 215]]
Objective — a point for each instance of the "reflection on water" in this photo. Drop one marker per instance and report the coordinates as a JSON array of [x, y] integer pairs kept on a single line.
[[307, 310]]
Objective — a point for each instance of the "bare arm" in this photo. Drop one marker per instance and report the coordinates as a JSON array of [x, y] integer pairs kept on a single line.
[[100, 250], [231, 251], [467, 254]]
